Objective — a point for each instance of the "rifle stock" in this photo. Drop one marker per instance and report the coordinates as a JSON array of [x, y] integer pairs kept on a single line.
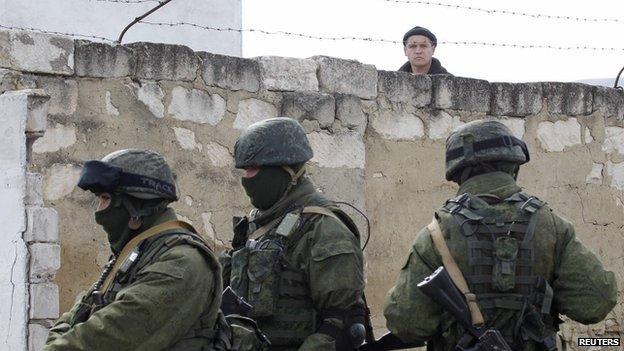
[[440, 288], [231, 303], [389, 342]]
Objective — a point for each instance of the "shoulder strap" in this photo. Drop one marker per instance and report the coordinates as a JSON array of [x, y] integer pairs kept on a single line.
[[308, 209], [127, 249], [456, 275], [264, 229], [337, 214], [530, 205], [321, 210]]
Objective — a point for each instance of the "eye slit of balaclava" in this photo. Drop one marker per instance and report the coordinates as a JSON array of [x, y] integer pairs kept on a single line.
[[95, 201], [267, 186], [114, 220]]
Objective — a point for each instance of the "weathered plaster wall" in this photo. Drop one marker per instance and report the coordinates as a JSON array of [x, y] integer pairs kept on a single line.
[[29, 247], [378, 139]]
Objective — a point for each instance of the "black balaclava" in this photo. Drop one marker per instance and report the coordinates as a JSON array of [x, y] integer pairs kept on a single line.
[[267, 186], [114, 219]]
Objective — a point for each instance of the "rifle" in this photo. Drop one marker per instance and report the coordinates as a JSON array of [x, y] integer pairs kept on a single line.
[[440, 288], [389, 342], [231, 303]]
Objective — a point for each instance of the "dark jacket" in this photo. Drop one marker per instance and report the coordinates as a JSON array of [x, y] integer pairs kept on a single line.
[[436, 67]]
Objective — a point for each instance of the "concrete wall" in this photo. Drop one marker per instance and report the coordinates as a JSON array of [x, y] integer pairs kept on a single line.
[[378, 139], [29, 248], [107, 18]]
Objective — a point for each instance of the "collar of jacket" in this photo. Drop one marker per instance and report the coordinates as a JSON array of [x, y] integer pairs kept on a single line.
[[499, 184], [436, 67], [302, 194], [166, 216]]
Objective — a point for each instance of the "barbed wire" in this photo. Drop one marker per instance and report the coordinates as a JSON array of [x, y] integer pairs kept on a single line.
[[128, 1], [44, 31], [506, 12], [381, 40], [330, 38], [262, 31]]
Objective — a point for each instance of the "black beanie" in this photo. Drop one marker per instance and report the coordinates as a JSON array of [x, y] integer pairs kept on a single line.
[[420, 31]]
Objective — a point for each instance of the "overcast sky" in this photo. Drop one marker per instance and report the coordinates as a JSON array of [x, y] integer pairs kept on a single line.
[[390, 20]]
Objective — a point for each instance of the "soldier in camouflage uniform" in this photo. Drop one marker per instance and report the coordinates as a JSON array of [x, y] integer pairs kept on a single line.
[[166, 292], [296, 259], [522, 261]]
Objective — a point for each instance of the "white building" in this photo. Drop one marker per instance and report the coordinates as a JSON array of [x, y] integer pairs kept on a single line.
[[107, 18]]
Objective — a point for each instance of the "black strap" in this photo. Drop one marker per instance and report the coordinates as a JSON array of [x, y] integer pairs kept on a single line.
[[390, 342], [502, 141], [487, 245], [487, 279], [489, 261]]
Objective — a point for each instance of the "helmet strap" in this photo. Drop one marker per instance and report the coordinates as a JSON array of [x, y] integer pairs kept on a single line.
[[137, 215], [466, 173], [294, 177], [129, 206]]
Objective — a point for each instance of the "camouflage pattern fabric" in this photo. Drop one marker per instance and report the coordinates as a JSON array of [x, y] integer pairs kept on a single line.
[[173, 295], [144, 163], [272, 142], [478, 131], [328, 258], [583, 290]]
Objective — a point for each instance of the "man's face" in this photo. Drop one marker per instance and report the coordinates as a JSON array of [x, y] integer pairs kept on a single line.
[[419, 50]]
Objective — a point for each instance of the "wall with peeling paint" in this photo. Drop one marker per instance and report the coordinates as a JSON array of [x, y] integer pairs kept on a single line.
[[378, 139], [29, 247]]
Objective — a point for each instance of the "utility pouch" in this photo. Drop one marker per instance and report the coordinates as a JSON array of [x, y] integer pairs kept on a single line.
[[238, 273], [504, 270], [263, 274]]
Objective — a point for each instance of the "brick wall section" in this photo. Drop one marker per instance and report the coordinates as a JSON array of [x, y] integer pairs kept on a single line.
[[33, 301], [378, 138]]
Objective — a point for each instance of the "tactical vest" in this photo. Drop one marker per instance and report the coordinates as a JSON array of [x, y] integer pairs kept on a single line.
[[499, 235], [264, 274], [206, 329]]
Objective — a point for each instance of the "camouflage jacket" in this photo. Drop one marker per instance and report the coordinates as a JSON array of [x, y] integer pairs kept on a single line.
[[158, 310], [582, 289], [326, 255]]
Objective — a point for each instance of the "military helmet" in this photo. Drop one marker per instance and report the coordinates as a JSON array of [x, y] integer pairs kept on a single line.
[[140, 173], [272, 142], [482, 142]]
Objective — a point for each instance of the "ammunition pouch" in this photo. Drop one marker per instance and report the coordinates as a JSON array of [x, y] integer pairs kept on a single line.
[[499, 236], [504, 268], [238, 274], [264, 277]]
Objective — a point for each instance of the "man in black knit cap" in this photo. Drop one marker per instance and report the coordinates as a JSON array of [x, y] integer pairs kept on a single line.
[[419, 44]]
